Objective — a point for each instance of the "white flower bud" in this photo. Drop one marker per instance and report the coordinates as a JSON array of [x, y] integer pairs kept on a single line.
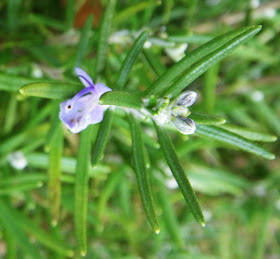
[[184, 125], [180, 111], [17, 160], [186, 99]]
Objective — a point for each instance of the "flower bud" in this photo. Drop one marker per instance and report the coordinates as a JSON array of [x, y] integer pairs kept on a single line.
[[186, 99], [184, 125]]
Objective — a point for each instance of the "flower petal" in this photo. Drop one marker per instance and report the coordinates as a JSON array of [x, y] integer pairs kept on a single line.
[[84, 77], [101, 89]]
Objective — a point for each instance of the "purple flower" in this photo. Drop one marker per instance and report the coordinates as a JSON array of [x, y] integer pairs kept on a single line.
[[83, 109]]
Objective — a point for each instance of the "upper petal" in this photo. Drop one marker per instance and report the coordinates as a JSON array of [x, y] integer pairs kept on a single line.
[[101, 89], [84, 77]]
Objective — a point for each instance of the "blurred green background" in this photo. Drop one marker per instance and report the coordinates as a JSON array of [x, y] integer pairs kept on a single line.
[[238, 192]]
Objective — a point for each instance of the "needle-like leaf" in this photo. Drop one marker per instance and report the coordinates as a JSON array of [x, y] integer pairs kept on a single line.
[[173, 162], [141, 172], [232, 139]]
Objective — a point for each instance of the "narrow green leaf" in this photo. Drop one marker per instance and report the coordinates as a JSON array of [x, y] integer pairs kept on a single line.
[[54, 175], [11, 249], [84, 39], [68, 164], [46, 21], [207, 119], [111, 184], [130, 59], [141, 173], [50, 90], [81, 190], [12, 190], [13, 10], [162, 83], [266, 113], [172, 160], [55, 124], [70, 13], [233, 140], [208, 61], [10, 117], [133, 10], [11, 226], [12, 83], [209, 88], [105, 29], [22, 179], [120, 98], [123, 127], [153, 62], [168, 215], [102, 137], [42, 237], [248, 133]]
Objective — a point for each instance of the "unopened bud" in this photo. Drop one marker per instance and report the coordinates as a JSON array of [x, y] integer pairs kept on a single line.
[[17, 160], [184, 125], [186, 99], [180, 111]]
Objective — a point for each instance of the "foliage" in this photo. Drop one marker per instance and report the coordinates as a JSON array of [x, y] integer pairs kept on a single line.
[[106, 191]]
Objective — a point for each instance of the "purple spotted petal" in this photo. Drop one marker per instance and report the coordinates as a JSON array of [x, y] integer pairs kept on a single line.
[[83, 109], [84, 77]]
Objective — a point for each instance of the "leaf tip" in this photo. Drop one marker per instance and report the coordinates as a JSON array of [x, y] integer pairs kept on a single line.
[[21, 90], [83, 253], [157, 231], [203, 224], [271, 156]]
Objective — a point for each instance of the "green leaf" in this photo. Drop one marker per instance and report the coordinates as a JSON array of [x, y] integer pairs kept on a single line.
[[12, 83], [54, 175], [168, 215], [130, 59], [141, 173], [111, 183], [42, 237], [172, 160], [19, 188], [132, 10], [207, 119], [84, 39], [124, 128], [51, 90], [10, 224], [70, 13], [209, 88], [102, 137], [120, 98], [210, 60], [233, 140], [153, 62], [249, 134], [81, 190], [105, 29], [162, 83]]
